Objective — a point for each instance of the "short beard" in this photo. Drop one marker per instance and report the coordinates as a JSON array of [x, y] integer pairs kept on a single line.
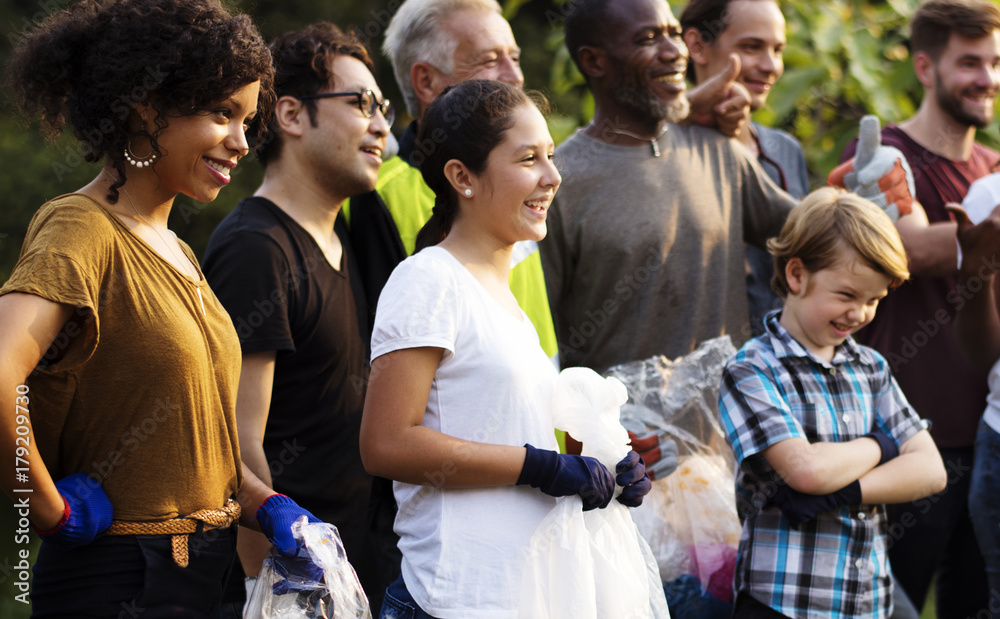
[[952, 106], [648, 106]]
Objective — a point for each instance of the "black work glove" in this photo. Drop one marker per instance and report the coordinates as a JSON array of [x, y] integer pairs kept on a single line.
[[799, 507], [633, 478], [558, 474]]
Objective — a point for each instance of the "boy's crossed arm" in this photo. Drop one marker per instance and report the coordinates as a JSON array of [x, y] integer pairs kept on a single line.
[[824, 476]]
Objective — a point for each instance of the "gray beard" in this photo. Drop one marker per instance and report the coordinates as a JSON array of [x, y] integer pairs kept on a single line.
[[648, 106]]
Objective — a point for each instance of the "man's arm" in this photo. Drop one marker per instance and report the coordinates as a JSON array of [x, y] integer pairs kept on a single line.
[[253, 402], [931, 250], [977, 324]]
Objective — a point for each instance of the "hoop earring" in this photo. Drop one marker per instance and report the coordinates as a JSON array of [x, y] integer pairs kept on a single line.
[[140, 162]]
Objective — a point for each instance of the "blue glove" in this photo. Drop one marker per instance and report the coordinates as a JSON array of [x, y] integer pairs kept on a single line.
[[799, 507], [275, 516], [87, 512], [558, 474], [633, 478], [889, 448], [658, 451]]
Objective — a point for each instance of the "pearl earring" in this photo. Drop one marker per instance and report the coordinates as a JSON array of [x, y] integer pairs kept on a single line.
[[468, 193]]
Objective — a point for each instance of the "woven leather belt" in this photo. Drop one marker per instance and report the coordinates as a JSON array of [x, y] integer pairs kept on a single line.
[[180, 528]]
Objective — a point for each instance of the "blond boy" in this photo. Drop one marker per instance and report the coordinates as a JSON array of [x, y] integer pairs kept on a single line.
[[822, 434]]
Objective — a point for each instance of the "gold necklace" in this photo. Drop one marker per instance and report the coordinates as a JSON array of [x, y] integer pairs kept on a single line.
[[181, 259]]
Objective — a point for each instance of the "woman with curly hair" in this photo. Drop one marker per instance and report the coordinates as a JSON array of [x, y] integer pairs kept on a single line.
[[118, 366]]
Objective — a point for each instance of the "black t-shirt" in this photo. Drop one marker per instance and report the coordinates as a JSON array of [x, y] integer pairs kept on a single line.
[[284, 296]]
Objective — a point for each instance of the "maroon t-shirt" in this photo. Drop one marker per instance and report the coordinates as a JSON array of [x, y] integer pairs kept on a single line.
[[913, 324]]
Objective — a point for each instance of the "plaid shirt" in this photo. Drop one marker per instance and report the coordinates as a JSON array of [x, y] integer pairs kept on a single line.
[[774, 389]]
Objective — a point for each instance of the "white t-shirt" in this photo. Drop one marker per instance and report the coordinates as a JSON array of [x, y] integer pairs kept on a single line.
[[463, 549], [983, 197], [992, 413]]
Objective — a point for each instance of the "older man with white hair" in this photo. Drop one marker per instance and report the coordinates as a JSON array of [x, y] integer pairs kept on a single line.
[[433, 44]]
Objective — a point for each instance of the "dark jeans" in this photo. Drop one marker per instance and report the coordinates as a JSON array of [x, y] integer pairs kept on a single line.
[[399, 604], [748, 608], [935, 536], [984, 504], [133, 576]]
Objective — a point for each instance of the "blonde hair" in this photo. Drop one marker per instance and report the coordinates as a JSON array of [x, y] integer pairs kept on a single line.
[[826, 222], [416, 34]]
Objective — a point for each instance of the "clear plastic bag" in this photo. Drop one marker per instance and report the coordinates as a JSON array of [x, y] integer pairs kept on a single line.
[[338, 595], [590, 565], [689, 518]]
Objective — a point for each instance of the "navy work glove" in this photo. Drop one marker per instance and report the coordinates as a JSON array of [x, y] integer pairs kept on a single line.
[[86, 515], [889, 448], [633, 478], [558, 474], [799, 507], [657, 450]]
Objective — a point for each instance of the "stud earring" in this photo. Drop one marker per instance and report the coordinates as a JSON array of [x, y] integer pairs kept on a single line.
[[140, 162], [468, 193]]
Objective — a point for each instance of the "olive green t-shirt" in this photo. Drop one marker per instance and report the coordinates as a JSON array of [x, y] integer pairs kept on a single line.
[[139, 388]]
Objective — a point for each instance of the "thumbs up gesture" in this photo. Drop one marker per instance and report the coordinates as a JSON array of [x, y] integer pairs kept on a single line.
[[721, 101], [878, 173]]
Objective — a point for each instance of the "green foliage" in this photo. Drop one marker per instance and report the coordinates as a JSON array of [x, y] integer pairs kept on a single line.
[[844, 59]]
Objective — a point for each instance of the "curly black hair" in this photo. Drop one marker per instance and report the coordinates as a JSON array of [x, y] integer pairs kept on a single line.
[[91, 63]]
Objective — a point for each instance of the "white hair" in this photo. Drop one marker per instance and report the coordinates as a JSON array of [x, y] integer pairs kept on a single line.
[[416, 34]]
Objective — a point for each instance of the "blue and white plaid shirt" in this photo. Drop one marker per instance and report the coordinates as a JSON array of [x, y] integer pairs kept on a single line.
[[774, 389]]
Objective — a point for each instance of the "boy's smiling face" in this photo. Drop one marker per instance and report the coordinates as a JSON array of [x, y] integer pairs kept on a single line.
[[825, 307]]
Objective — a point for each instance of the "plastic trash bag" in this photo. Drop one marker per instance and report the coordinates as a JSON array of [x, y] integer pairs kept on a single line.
[[689, 518], [590, 565], [338, 595]]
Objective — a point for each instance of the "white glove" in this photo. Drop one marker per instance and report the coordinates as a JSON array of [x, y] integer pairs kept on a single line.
[[877, 173]]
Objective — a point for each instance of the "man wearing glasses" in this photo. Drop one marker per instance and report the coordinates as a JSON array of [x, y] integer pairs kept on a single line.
[[283, 266]]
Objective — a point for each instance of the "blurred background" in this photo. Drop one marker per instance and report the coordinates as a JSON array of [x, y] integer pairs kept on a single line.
[[845, 59]]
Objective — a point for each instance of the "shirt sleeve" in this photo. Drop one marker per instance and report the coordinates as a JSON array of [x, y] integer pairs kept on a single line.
[[765, 205], [251, 276], [753, 410], [557, 267], [66, 259], [420, 306], [893, 414]]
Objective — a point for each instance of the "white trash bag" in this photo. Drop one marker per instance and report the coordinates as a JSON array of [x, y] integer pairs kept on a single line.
[[338, 595], [591, 565]]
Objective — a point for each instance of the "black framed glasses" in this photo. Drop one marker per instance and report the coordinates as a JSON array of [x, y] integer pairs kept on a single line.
[[368, 103]]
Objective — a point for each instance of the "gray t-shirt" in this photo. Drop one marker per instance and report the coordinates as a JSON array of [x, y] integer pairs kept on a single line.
[[644, 254]]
